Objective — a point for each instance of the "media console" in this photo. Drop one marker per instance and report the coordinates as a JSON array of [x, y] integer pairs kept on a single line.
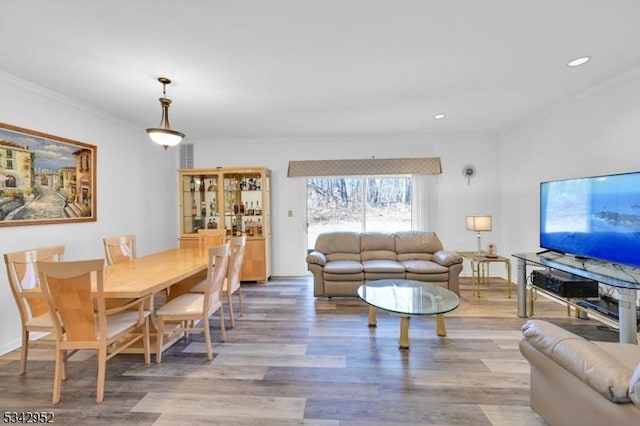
[[626, 281]]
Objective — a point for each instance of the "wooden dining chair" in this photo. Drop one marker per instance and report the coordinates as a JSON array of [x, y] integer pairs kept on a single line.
[[208, 238], [231, 286], [191, 311], [119, 249], [34, 316], [74, 292]]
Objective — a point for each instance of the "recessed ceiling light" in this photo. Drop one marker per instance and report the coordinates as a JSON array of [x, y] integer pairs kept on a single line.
[[579, 61], [439, 116]]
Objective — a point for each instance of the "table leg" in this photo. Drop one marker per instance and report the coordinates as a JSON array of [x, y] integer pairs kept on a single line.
[[404, 332], [522, 288], [532, 297], [440, 327], [628, 327], [477, 278], [507, 265], [372, 316]]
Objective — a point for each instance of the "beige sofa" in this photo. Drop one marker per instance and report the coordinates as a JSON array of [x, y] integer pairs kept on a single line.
[[579, 382], [342, 261]]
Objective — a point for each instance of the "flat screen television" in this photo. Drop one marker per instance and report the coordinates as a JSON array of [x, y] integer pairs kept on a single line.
[[594, 217]]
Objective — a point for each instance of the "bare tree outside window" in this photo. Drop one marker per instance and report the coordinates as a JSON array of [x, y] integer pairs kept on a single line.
[[358, 205]]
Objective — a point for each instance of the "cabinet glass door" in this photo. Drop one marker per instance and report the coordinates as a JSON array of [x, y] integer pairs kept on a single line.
[[243, 206], [199, 203]]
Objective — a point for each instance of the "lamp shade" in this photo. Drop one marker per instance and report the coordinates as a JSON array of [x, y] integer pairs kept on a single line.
[[478, 223], [165, 137]]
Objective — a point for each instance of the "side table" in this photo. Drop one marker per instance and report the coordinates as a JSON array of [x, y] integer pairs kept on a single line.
[[480, 268]]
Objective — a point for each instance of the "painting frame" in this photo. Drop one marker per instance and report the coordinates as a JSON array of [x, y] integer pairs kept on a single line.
[[45, 179]]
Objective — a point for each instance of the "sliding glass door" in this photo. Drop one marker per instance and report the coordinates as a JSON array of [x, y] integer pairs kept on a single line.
[[358, 205]]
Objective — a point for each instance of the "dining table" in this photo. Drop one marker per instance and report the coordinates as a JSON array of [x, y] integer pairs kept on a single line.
[[148, 275], [172, 271]]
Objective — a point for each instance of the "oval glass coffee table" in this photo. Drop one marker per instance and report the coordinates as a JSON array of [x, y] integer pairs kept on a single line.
[[408, 298]]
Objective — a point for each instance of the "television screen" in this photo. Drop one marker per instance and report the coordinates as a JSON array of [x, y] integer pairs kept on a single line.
[[596, 217]]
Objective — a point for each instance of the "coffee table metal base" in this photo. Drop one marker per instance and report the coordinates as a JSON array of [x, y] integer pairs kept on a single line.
[[403, 342]]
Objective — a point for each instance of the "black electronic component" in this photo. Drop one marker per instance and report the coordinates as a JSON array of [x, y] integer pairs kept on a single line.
[[565, 284]]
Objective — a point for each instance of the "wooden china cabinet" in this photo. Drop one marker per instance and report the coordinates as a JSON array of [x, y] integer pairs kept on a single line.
[[236, 199]]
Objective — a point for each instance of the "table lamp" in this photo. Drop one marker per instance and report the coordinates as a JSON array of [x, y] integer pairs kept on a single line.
[[479, 224]]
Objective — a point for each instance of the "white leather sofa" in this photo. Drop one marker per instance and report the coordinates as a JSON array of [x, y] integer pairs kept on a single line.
[[575, 381], [342, 261]]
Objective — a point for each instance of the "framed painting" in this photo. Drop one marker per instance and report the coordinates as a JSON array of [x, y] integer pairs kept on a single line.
[[45, 179]]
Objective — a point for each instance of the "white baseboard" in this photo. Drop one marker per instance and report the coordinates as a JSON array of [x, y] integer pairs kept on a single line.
[[10, 346]]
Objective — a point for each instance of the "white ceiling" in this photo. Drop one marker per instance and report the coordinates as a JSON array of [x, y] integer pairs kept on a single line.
[[319, 68]]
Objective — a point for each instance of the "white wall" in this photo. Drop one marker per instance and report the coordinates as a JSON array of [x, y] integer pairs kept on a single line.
[[456, 198], [135, 192], [596, 133]]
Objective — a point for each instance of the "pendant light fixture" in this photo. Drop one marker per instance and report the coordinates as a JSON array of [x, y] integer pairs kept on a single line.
[[163, 135]]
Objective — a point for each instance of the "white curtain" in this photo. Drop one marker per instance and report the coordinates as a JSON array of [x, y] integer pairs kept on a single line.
[[424, 214]]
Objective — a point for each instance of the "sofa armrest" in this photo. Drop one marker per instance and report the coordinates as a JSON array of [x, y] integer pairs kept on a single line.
[[584, 359], [316, 257], [634, 386], [446, 258]]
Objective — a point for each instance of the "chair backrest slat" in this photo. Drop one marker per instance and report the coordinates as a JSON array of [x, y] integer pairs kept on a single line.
[[208, 238], [238, 246], [216, 273], [68, 289], [120, 249], [23, 274]]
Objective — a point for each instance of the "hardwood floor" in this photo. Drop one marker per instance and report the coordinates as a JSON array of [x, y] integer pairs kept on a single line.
[[294, 359]]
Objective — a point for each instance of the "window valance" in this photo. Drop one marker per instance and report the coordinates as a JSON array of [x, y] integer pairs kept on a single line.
[[366, 167]]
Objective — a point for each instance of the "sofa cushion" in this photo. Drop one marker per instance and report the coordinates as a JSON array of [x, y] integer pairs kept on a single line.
[[634, 386], [584, 359], [339, 245], [424, 267], [382, 266], [416, 245], [343, 267], [377, 246]]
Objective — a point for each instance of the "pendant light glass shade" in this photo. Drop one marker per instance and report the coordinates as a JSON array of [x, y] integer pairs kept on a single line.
[[163, 135]]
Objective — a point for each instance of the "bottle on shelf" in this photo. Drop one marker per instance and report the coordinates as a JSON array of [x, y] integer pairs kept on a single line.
[[194, 208], [258, 211], [211, 187], [251, 210], [257, 188], [203, 209], [241, 208], [192, 185], [212, 207], [259, 227], [201, 183], [214, 224], [236, 227], [210, 224]]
